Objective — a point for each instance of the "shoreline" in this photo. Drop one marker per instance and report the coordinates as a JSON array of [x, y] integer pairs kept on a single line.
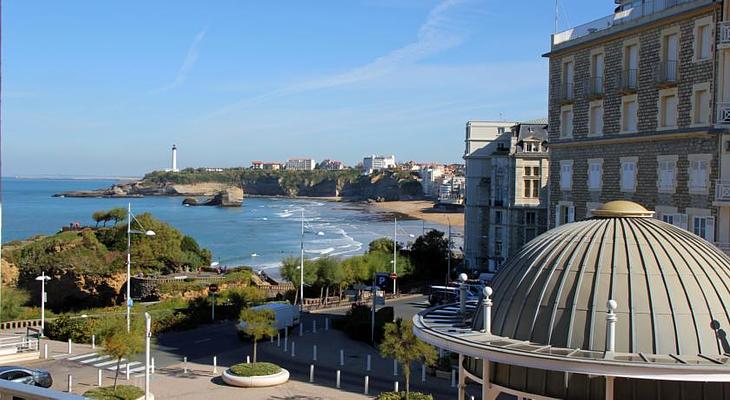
[[420, 209]]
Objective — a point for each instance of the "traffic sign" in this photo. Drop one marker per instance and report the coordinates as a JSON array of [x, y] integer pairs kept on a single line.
[[213, 288], [381, 280], [393, 276], [130, 303]]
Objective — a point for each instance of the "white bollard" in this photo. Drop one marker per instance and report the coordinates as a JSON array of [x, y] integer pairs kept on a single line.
[[453, 378], [395, 387], [248, 359], [45, 350], [126, 373], [423, 373], [93, 341], [395, 368], [301, 330], [152, 365], [278, 339], [185, 365], [293, 349], [311, 373], [286, 344], [70, 384], [338, 379], [326, 323], [271, 339], [99, 378], [472, 398], [367, 382], [367, 364], [286, 334], [215, 364], [314, 352], [342, 357], [314, 326], [69, 346]]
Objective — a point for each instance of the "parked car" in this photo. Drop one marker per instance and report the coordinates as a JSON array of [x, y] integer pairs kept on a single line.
[[450, 294], [287, 316], [28, 376]]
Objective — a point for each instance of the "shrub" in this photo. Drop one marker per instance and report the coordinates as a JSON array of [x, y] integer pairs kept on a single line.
[[402, 396], [255, 369], [79, 330], [122, 392]]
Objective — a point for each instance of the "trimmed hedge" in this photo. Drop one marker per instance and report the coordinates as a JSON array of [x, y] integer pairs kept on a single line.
[[123, 392], [255, 369], [402, 396]]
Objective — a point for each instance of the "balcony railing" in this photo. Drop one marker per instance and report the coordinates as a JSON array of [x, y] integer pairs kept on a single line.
[[722, 190], [628, 80], [666, 73], [594, 87], [567, 92], [723, 29], [628, 12], [723, 114]]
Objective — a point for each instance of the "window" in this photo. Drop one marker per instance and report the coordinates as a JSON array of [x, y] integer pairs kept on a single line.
[[497, 248], [568, 79], [668, 108], [668, 218], [701, 104], [595, 173], [628, 174], [530, 218], [704, 227], [597, 65], [631, 66], [596, 119], [564, 214], [666, 173], [566, 174], [532, 146], [703, 39], [699, 168], [497, 220], [566, 121], [629, 109], [532, 182]]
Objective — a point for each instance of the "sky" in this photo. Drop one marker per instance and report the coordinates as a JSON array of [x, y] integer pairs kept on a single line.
[[105, 88]]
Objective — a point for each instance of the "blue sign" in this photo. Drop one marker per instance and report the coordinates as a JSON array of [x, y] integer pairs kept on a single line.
[[130, 303], [382, 279]]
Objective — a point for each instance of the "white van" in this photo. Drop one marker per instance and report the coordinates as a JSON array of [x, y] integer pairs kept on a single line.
[[286, 315]]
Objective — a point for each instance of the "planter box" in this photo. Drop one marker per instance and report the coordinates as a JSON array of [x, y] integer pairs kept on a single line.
[[256, 381]]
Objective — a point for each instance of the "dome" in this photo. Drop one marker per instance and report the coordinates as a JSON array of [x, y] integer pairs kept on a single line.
[[671, 287]]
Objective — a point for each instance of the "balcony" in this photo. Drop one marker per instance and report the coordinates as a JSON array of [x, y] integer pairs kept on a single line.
[[628, 81], [567, 93], [666, 73], [594, 87], [723, 114], [627, 13], [723, 30], [722, 190]]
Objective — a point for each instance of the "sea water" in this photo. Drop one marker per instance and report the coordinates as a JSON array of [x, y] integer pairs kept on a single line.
[[259, 234]]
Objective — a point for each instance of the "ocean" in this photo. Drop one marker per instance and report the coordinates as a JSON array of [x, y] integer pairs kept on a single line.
[[259, 234]]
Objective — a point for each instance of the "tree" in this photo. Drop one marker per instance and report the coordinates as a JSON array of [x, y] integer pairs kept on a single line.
[[117, 214], [401, 344], [100, 216], [429, 253], [118, 343], [290, 272], [258, 324], [383, 245]]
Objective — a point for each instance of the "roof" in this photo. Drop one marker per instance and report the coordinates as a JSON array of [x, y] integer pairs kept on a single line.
[[550, 300], [537, 121]]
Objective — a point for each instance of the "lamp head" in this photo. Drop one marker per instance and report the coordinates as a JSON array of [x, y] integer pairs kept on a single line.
[[43, 278], [487, 291], [150, 233], [463, 277]]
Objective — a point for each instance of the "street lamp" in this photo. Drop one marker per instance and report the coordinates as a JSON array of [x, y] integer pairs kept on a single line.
[[43, 278], [147, 336], [131, 216]]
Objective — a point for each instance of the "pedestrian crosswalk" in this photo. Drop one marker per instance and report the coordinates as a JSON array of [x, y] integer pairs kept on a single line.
[[107, 362]]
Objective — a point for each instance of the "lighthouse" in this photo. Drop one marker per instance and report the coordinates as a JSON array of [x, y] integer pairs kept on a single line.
[[174, 159]]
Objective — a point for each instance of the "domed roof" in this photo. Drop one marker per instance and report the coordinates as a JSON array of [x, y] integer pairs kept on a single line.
[[671, 286]]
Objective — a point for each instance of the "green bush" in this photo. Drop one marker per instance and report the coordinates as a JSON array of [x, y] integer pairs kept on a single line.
[[356, 323], [122, 392], [79, 330], [402, 396], [255, 369]]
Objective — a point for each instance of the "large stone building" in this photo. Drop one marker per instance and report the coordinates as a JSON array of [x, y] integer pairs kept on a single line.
[[301, 164], [506, 195], [631, 113]]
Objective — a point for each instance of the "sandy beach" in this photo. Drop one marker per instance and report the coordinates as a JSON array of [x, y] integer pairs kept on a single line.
[[421, 209]]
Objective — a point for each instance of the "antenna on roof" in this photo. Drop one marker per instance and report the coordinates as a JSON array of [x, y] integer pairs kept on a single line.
[[557, 14]]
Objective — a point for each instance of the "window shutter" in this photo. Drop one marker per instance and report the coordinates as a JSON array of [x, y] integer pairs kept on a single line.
[[571, 214], [680, 220], [557, 216], [710, 229]]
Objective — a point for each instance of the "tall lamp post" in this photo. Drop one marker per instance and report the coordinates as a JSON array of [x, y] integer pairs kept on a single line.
[[131, 216], [147, 336], [395, 250], [43, 278], [301, 268]]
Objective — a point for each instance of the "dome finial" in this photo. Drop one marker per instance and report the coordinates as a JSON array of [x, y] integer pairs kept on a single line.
[[622, 209]]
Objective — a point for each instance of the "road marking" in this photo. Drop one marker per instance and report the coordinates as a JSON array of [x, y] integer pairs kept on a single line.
[[137, 369], [81, 356], [203, 340], [123, 367], [100, 358], [107, 363]]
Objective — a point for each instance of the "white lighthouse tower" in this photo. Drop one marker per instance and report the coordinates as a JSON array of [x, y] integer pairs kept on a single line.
[[174, 158]]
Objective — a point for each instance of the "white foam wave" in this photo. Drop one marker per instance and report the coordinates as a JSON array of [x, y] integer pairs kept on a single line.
[[320, 251]]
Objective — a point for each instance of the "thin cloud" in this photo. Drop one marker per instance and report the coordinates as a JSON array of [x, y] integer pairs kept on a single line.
[[438, 33], [190, 59]]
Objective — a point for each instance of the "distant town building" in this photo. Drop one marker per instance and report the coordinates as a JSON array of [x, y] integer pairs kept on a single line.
[[212, 169], [483, 139], [331, 165], [431, 178], [374, 163], [301, 164], [452, 190], [257, 165]]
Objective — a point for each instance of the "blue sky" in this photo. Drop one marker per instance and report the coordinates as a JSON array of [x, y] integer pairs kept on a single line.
[[106, 87]]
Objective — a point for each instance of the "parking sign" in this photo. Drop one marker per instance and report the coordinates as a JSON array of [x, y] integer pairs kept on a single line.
[[382, 279]]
